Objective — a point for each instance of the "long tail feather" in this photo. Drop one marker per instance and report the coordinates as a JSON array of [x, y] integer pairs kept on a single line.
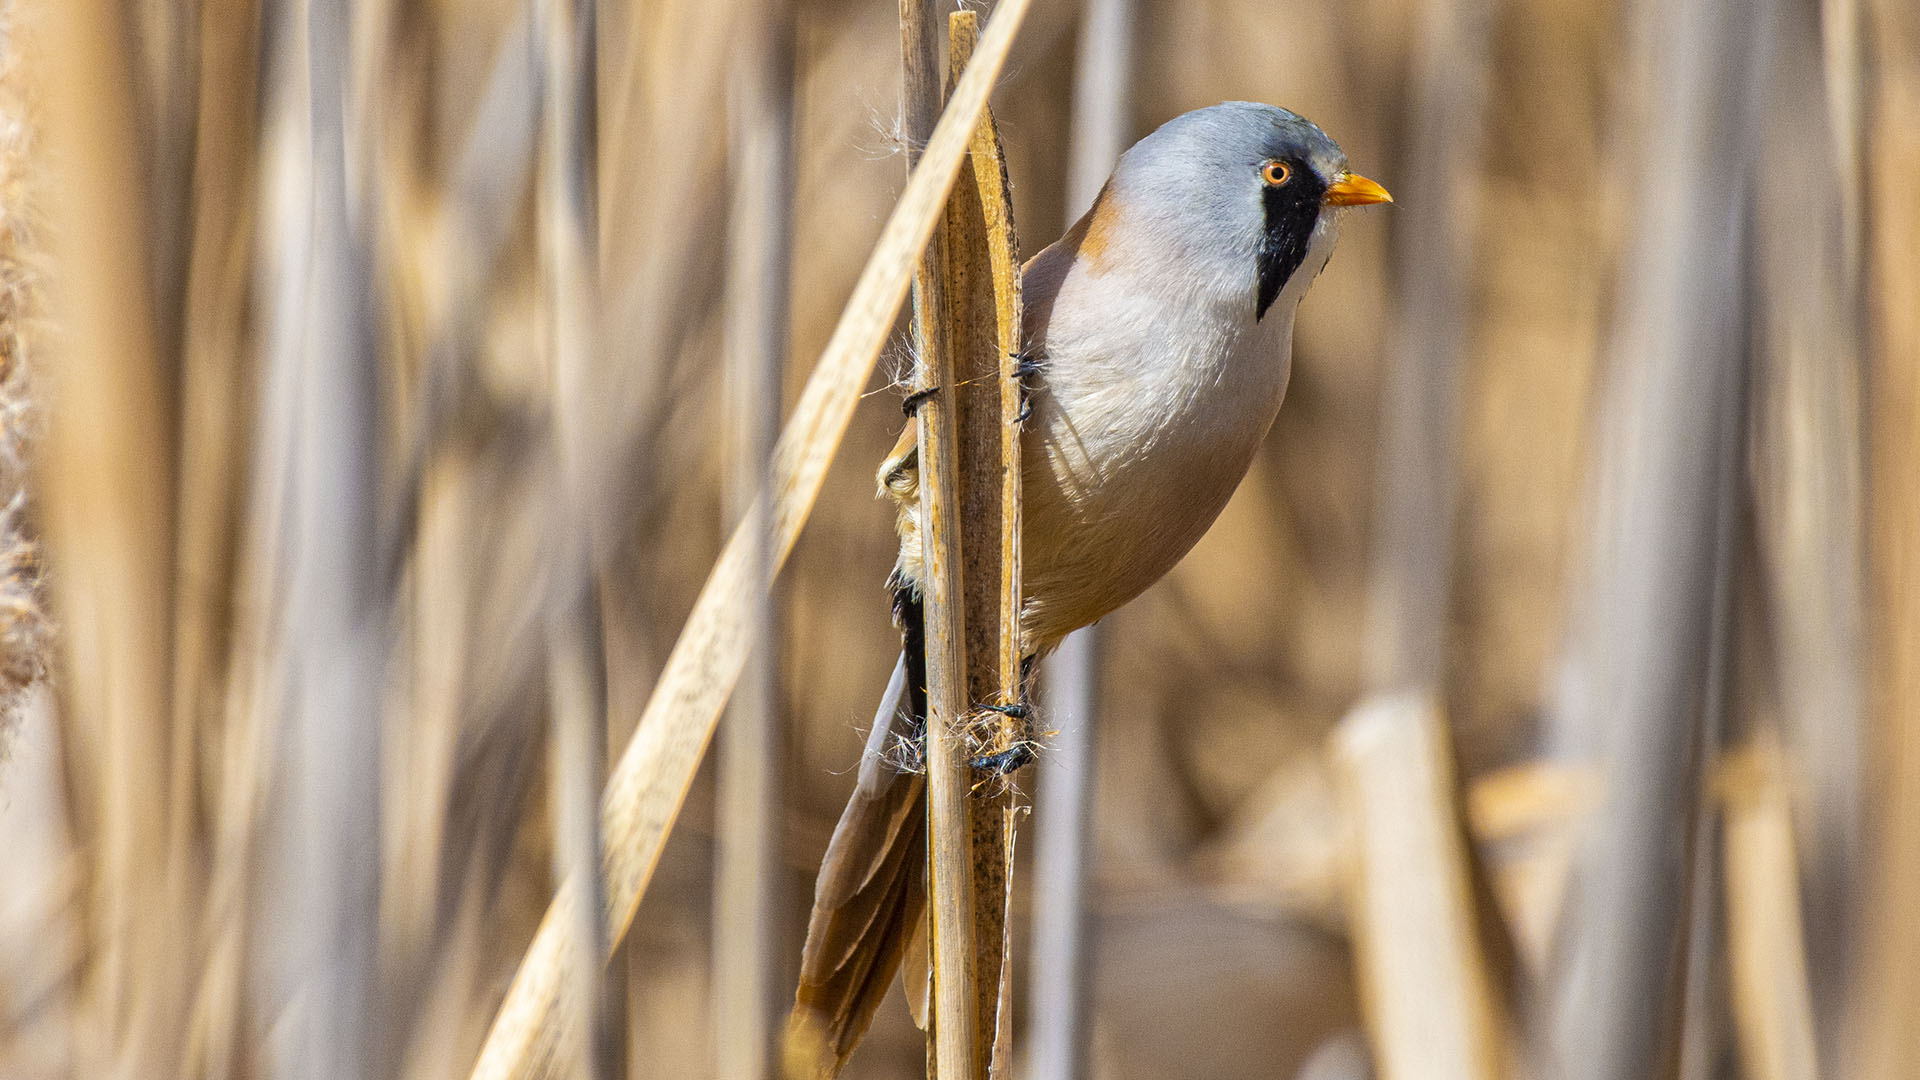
[[869, 897]]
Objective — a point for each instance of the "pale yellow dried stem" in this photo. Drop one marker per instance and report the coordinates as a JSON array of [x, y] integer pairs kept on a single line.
[[1430, 1000], [970, 513], [1766, 954], [1886, 1041], [108, 500], [982, 290]]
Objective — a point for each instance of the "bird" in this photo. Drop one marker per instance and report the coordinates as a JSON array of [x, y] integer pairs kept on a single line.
[[1157, 343]]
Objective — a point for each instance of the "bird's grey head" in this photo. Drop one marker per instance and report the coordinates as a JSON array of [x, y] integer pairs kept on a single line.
[[1243, 186]]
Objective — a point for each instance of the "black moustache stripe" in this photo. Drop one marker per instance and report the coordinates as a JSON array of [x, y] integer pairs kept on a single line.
[[1291, 210]]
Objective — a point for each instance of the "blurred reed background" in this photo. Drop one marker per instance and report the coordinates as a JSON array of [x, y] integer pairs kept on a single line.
[[380, 381]]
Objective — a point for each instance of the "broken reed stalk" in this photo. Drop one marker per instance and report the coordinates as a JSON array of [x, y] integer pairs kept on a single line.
[[651, 779], [1766, 954], [751, 983], [1431, 1001], [978, 487]]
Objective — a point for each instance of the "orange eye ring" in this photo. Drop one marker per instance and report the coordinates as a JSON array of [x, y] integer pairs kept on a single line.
[[1275, 173]]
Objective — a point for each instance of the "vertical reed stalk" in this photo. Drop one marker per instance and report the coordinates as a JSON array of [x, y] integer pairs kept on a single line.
[[968, 330], [982, 288], [956, 1020], [107, 489], [1806, 453], [575, 656], [1412, 561], [1886, 1020], [1668, 473], [750, 942], [333, 624]]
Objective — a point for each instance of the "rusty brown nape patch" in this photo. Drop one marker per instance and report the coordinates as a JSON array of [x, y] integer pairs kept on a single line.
[[1088, 237]]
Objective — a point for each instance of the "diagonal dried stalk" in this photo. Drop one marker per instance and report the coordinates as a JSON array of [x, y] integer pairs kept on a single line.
[[651, 780]]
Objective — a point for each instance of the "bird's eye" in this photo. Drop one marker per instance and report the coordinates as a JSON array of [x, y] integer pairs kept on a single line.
[[1275, 173]]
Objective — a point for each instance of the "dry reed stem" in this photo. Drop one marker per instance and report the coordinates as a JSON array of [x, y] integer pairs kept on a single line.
[[651, 779], [980, 284], [1428, 995], [751, 983], [956, 1024], [1806, 455], [1886, 1012], [325, 882], [1667, 470], [1772, 1002], [217, 382], [576, 675], [108, 494], [952, 1017]]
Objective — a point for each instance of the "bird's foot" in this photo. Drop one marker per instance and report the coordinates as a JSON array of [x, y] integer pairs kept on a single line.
[[1025, 366], [1017, 756], [912, 402], [1006, 762]]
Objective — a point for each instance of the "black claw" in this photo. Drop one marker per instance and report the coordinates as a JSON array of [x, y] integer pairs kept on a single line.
[[1015, 757], [912, 402], [1006, 761], [1025, 367]]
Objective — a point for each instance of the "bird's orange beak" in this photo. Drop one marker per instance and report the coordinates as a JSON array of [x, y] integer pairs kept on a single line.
[[1352, 189]]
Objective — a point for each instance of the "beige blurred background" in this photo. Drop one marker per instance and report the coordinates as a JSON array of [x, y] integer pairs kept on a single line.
[[153, 836]]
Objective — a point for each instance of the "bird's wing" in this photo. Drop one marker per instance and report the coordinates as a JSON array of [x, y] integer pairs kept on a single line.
[[870, 894]]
